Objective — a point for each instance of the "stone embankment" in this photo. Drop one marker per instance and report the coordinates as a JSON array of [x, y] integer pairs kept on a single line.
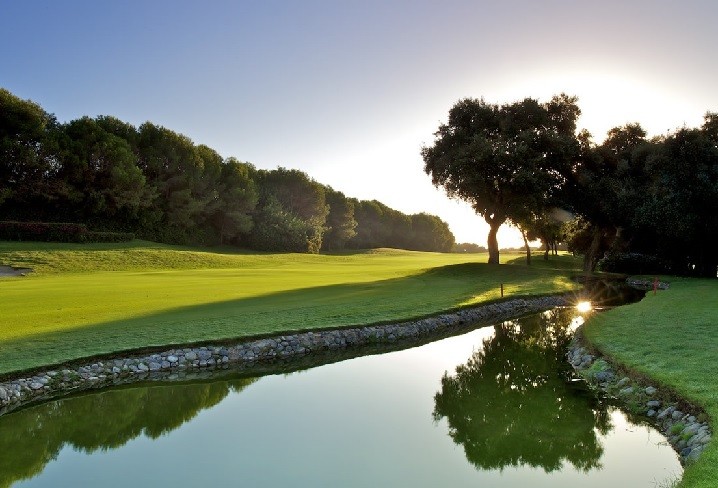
[[173, 363], [685, 426]]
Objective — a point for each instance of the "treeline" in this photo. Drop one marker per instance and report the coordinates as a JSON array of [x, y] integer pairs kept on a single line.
[[647, 205], [159, 185], [640, 205]]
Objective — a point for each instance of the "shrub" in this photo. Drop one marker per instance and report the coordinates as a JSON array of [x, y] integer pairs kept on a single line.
[[631, 263], [109, 237], [57, 232], [42, 231]]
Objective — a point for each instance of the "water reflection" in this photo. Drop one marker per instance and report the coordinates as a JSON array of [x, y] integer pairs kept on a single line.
[[510, 404], [353, 422], [31, 438]]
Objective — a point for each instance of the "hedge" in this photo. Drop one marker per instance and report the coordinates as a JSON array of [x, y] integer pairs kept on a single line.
[[57, 232]]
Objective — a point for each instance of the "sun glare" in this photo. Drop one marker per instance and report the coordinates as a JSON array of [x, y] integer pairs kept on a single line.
[[584, 307]]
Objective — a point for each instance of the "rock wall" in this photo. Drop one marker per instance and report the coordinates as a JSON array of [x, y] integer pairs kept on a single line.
[[175, 363], [685, 426]]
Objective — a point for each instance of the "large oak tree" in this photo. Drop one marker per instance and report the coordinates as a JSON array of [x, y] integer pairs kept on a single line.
[[505, 160]]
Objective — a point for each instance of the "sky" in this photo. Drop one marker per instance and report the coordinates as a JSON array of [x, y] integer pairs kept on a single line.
[[349, 91]]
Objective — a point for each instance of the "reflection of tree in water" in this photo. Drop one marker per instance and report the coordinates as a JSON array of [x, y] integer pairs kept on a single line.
[[510, 404], [32, 437]]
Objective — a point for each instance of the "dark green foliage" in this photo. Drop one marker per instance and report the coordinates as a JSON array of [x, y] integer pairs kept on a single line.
[[632, 263], [277, 229], [57, 232], [153, 182], [507, 161], [654, 197], [42, 231], [292, 212], [341, 224]]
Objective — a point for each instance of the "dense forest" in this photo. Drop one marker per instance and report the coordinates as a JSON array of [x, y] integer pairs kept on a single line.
[[160, 186]]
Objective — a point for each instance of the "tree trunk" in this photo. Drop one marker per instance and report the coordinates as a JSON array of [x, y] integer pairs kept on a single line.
[[526, 246], [493, 243], [591, 258], [547, 249]]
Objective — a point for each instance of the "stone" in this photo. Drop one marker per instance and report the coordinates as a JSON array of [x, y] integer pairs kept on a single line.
[[154, 366], [603, 376], [191, 356], [653, 404], [651, 413], [4, 395], [665, 413], [623, 381], [650, 391], [36, 385], [677, 415], [626, 391], [143, 367], [172, 359]]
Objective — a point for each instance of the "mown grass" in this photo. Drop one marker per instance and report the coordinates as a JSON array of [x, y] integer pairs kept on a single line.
[[672, 337], [84, 300]]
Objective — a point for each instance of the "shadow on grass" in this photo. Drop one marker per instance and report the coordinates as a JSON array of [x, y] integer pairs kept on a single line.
[[433, 291]]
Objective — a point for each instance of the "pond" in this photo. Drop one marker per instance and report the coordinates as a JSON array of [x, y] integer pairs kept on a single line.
[[493, 407]]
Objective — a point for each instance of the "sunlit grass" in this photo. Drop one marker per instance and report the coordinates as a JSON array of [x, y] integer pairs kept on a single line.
[[673, 337], [89, 300]]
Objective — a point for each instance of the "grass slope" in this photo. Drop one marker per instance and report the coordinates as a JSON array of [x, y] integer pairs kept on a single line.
[[103, 298], [672, 337]]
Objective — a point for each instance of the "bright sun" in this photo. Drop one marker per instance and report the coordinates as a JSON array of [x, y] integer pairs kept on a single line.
[[584, 306]]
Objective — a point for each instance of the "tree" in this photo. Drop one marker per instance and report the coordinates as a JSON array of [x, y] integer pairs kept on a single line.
[[504, 160], [341, 224], [604, 188], [234, 200], [28, 163], [293, 206], [104, 183], [430, 233]]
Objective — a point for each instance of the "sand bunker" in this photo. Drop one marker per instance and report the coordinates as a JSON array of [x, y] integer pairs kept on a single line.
[[10, 271]]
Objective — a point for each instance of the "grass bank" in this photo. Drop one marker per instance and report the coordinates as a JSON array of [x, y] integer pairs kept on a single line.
[[86, 300], [672, 337]]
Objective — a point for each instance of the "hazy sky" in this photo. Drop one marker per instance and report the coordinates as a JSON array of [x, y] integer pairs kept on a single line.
[[349, 91]]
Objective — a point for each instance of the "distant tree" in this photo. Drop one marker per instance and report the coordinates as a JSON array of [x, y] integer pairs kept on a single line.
[[468, 247], [430, 233], [292, 204], [371, 231], [504, 160], [341, 224], [235, 198], [173, 166], [105, 186], [28, 163]]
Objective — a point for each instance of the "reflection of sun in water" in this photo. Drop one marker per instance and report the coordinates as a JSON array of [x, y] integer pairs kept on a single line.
[[584, 307]]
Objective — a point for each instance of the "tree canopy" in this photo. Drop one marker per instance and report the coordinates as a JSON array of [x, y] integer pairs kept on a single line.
[[161, 186], [508, 161]]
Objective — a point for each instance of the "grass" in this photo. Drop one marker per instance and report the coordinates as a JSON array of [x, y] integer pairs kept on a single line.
[[87, 300], [673, 338]]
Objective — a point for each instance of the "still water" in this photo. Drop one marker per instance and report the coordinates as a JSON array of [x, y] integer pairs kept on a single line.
[[493, 407]]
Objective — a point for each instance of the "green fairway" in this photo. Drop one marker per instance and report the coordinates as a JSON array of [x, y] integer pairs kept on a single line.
[[89, 300], [672, 337]]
